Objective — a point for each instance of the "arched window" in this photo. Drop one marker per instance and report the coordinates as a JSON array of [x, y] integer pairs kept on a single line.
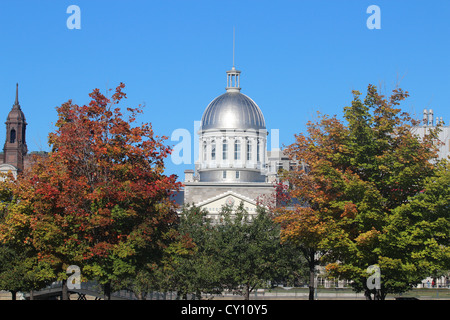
[[12, 136], [237, 150], [224, 150], [213, 150], [249, 150]]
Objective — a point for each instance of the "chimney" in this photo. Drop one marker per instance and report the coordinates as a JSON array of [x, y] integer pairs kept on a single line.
[[425, 117]]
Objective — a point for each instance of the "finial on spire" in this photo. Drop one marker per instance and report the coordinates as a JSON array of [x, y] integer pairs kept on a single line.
[[234, 37], [17, 93]]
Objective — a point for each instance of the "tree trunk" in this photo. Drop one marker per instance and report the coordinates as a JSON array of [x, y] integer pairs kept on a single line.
[[312, 267], [311, 285], [247, 292], [139, 295], [64, 291], [107, 290], [379, 295], [13, 294]]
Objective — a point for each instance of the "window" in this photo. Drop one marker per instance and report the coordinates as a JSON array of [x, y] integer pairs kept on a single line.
[[224, 150], [237, 174], [224, 174], [204, 151], [237, 150], [279, 165], [12, 136], [213, 150], [249, 150]]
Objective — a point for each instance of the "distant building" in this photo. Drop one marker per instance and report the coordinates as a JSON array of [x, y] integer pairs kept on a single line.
[[15, 148], [15, 157], [430, 122]]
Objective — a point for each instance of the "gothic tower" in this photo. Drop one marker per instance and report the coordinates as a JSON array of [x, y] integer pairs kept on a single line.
[[15, 147]]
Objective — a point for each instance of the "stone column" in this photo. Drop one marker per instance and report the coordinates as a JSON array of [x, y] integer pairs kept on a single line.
[[254, 152], [262, 152], [231, 150], [208, 152], [218, 150], [241, 152]]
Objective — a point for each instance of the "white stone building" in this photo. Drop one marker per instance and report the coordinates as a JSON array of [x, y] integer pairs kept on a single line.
[[234, 165], [430, 122]]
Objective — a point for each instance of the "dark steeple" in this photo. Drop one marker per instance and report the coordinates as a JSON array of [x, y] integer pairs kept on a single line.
[[15, 147]]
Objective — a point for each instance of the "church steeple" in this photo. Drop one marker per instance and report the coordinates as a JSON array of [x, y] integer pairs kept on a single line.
[[15, 147]]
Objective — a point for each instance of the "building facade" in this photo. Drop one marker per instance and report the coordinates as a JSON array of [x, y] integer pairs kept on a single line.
[[430, 122]]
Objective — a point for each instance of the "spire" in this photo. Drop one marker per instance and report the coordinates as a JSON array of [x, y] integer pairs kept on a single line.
[[234, 37], [233, 81], [16, 103]]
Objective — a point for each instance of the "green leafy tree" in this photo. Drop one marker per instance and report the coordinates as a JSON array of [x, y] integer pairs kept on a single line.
[[189, 265], [249, 250], [19, 270], [357, 173], [417, 236]]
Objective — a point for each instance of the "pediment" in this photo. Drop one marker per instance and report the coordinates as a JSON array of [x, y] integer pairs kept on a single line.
[[214, 205]]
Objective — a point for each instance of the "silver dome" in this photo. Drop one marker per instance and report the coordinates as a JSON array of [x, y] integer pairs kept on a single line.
[[233, 110]]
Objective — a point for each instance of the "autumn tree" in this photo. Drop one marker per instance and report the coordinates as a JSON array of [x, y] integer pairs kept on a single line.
[[18, 263], [100, 200], [306, 218], [357, 172]]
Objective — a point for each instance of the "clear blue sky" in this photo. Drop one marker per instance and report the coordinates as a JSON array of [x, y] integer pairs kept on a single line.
[[296, 57]]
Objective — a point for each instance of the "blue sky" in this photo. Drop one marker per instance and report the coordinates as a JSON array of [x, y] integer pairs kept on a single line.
[[296, 57]]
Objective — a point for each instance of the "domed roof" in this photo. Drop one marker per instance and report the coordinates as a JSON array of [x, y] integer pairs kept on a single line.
[[233, 110], [16, 113]]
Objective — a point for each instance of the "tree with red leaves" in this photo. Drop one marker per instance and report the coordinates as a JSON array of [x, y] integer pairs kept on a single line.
[[100, 200]]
